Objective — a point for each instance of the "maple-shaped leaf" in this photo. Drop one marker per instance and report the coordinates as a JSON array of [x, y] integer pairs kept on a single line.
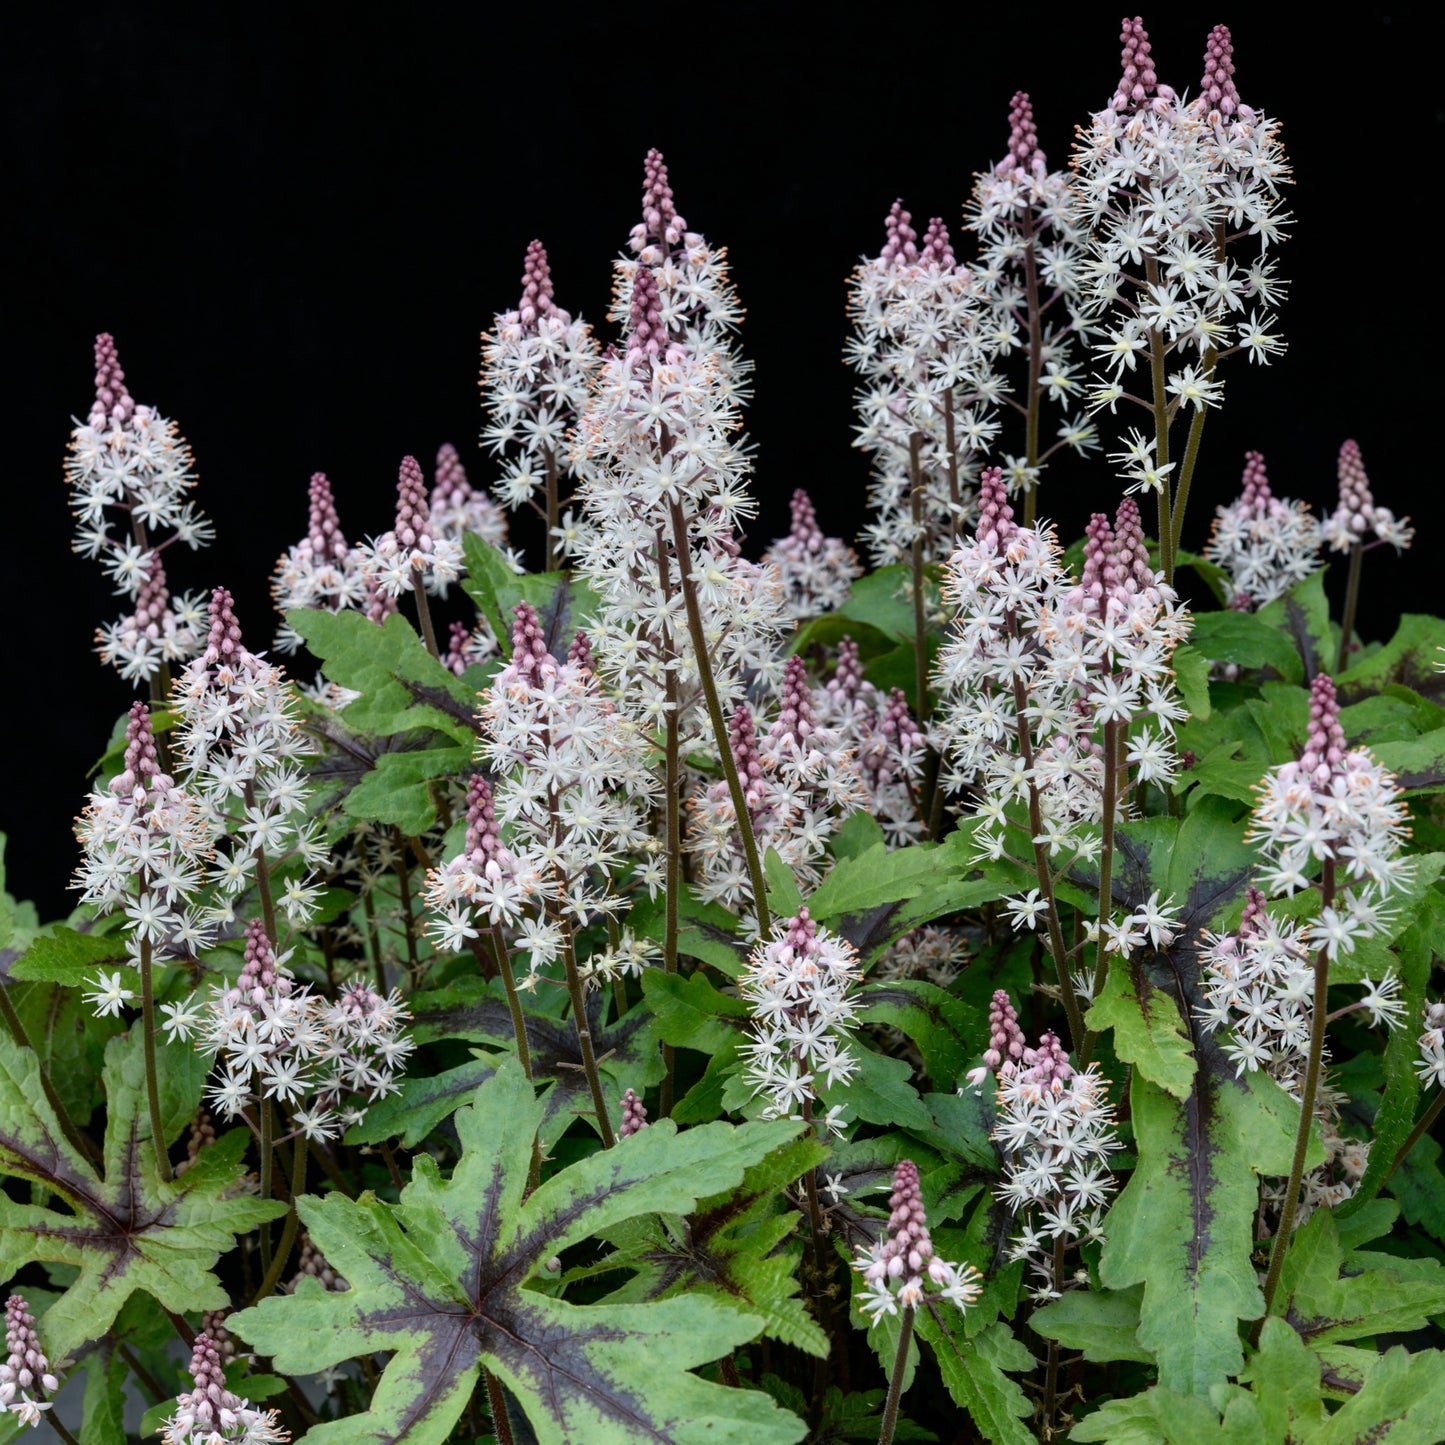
[[440, 1280], [123, 1228], [730, 1249]]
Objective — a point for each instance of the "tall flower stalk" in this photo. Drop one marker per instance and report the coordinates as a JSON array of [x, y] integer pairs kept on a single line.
[[1173, 192]]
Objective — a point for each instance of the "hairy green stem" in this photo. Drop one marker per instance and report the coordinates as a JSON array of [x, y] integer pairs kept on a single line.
[[1186, 468], [423, 613], [1307, 1114], [719, 723], [550, 462], [293, 1220], [895, 1378], [1352, 601], [497, 1403], [584, 1035], [501, 960], [153, 1092], [1421, 1128]]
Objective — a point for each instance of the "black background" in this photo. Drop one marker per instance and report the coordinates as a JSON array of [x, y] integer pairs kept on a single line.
[[297, 225]]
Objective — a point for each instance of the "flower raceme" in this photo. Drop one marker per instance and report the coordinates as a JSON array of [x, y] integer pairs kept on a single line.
[[1055, 1128], [241, 749], [147, 847], [210, 1414], [25, 1376], [1038, 663], [1332, 821], [1263, 543], [799, 986], [130, 473], [413, 548], [538, 363], [1357, 514], [900, 1268], [273, 1038], [1167, 186], [816, 571], [321, 571], [923, 344]]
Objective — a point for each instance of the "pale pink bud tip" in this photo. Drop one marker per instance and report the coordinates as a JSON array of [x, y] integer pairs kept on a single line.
[[529, 651], [1131, 553], [140, 764], [1098, 547], [805, 528], [900, 247], [1252, 920], [634, 1115], [413, 516], [223, 642], [324, 528], [1254, 485], [795, 717], [113, 403], [580, 651], [1023, 139], [536, 286], [1217, 88], [1325, 746], [661, 226], [450, 487], [937, 250], [1138, 82], [646, 333], [995, 516]]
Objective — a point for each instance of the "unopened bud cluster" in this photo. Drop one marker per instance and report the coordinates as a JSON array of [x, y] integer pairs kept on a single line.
[[900, 1269]]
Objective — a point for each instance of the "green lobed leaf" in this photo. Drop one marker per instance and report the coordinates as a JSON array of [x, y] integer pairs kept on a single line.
[[1247, 640], [732, 1249], [439, 1282], [1104, 1324], [880, 600], [1286, 1380], [1159, 1416], [1402, 1402], [402, 685], [944, 1027], [1303, 615], [1191, 677], [1183, 1226], [689, 1012], [397, 791], [706, 931], [421, 1103], [1148, 1031], [124, 1230], [880, 1092], [1408, 659], [973, 1370], [66, 957], [784, 899]]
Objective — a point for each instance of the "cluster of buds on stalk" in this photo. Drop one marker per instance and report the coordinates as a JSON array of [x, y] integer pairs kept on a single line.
[[1057, 693], [571, 791], [147, 846], [321, 572], [538, 363], [816, 571], [211, 1414], [887, 743], [800, 780], [275, 1039], [1055, 1128], [1357, 515], [900, 1269], [413, 553], [1031, 271], [1332, 822], [457, 507], [923, 343], [1263, 544], [241, 750], [130, 474], [25, 1372], [799, 985]]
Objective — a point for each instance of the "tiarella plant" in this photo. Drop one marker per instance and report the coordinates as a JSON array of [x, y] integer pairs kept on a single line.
[[691, 994]]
